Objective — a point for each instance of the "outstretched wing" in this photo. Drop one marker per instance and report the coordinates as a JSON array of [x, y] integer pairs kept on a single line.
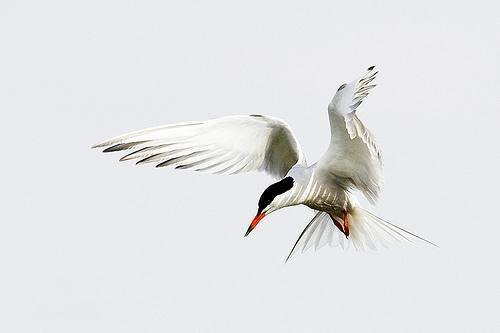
[[353, 154], [224, 145]]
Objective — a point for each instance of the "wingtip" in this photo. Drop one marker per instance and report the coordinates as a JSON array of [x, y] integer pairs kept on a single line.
[[371, 67]]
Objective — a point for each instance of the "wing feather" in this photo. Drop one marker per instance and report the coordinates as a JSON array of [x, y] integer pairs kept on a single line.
[[224, 145], [353, 155]]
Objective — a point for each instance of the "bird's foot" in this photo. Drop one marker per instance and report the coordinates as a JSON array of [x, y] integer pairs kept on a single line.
[[346, 225], [343, 228]]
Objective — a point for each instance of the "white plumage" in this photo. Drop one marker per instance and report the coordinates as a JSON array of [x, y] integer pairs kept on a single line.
[[227, 145], [236, 144]]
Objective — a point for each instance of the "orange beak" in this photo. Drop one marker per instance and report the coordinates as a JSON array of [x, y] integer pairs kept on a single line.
[[255, 221]]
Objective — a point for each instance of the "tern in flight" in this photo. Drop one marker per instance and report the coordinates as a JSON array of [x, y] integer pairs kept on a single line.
[[236, 144]]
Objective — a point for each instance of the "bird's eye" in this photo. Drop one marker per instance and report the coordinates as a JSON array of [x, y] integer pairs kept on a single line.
[[342, 87]]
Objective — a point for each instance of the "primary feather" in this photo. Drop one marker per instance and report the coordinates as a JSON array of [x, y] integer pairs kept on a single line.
[[227, 145]]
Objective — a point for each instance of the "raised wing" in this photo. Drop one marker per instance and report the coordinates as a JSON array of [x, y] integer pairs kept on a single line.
[[353, 154], [224, 145]]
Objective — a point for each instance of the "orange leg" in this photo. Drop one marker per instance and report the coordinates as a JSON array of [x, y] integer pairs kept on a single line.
[[346, 225], [345, 228], [338, 225]]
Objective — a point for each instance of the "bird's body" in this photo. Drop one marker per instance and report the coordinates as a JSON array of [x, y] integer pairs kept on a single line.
[[317, 190], [236, 144]]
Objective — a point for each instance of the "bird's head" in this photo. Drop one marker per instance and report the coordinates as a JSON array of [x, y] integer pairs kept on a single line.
[[273, 198]]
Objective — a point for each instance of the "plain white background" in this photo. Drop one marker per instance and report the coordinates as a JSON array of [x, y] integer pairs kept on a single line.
[[88, 244]]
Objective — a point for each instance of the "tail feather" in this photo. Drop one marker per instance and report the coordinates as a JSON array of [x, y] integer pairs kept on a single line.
[[407, 235], [367, 231]]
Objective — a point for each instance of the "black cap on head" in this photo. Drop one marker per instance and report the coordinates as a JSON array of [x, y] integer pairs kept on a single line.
[[274, 190]]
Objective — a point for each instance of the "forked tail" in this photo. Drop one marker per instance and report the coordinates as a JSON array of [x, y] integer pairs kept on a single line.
[[366, 231]]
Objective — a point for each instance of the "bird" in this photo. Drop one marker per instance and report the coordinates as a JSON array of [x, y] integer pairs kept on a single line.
[[242, 143]]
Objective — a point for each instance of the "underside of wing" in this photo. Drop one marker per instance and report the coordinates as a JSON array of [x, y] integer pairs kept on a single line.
[[224, 145], [353, 154]]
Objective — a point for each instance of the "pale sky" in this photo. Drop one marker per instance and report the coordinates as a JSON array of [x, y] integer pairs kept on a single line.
[[88, 244]]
